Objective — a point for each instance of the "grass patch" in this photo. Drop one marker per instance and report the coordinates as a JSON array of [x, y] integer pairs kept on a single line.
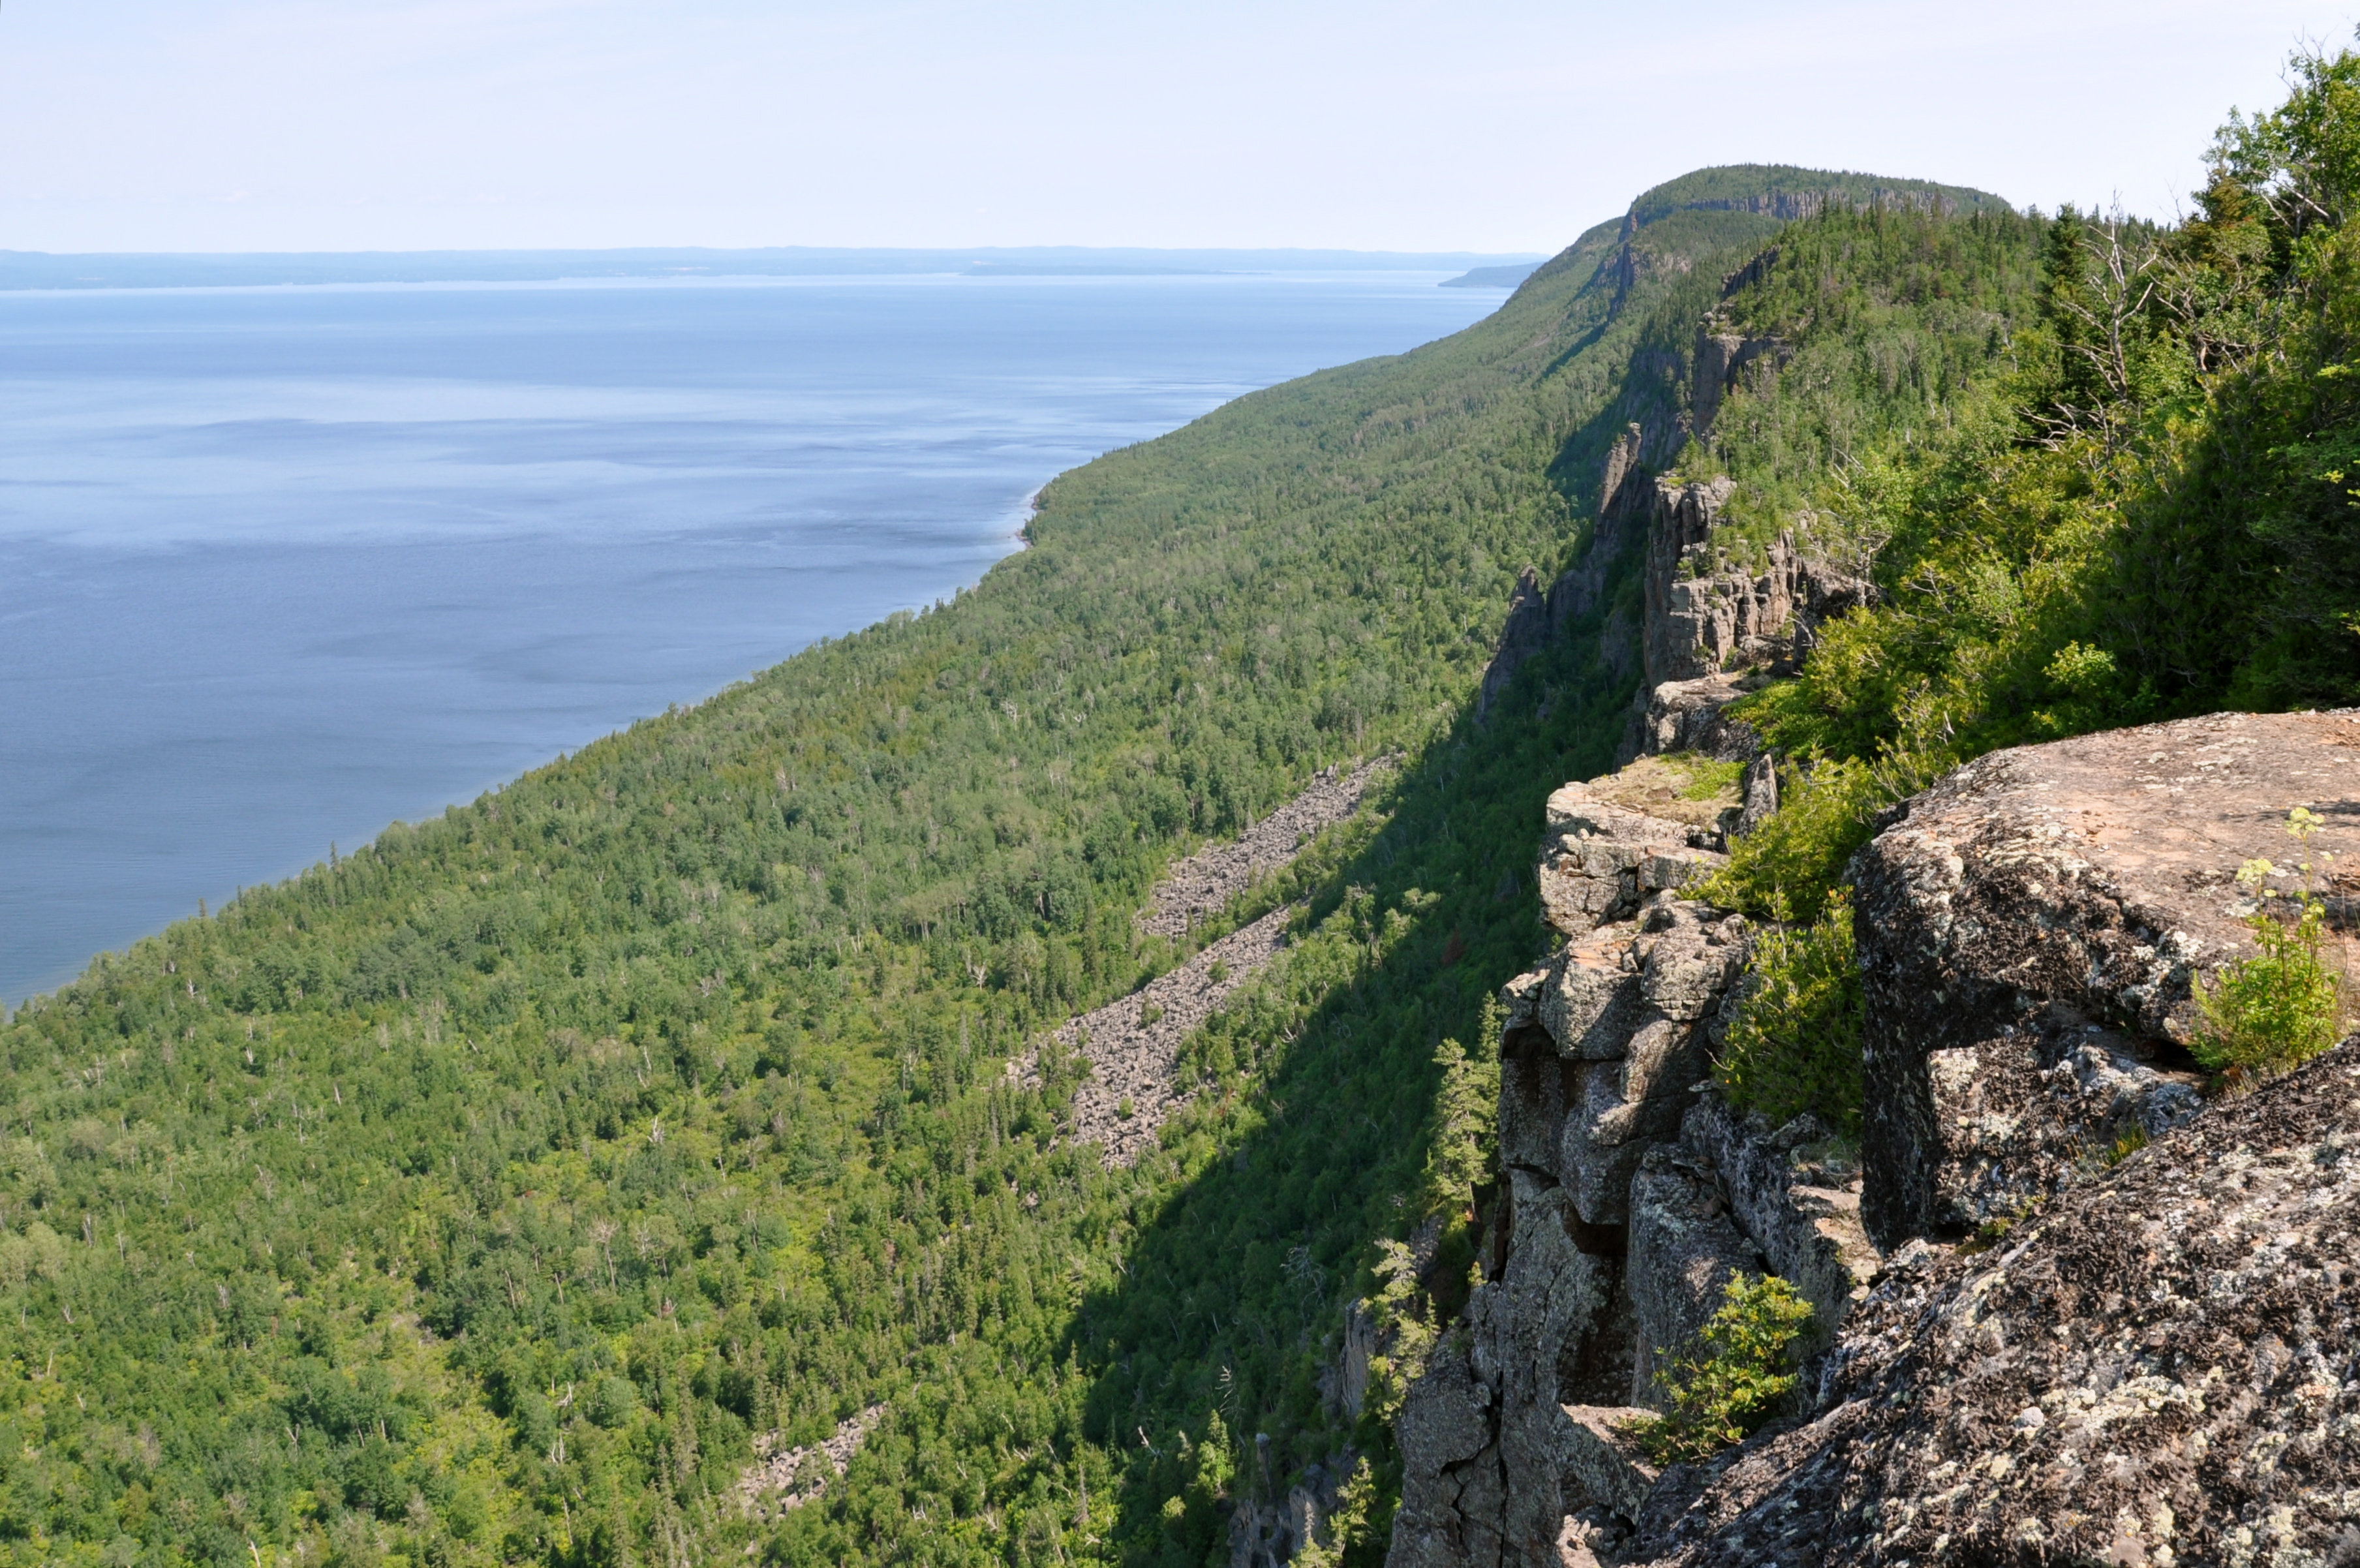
[[1708, 778]]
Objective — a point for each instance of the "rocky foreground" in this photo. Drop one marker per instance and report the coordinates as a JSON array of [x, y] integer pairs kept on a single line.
[[2066, 1307]]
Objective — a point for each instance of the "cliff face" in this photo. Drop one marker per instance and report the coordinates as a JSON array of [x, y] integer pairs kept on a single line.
[[1712, 623], [1708, 621], [2156, 1365]]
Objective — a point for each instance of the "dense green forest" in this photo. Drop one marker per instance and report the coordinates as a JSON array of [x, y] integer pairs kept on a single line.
[[490, 1193]]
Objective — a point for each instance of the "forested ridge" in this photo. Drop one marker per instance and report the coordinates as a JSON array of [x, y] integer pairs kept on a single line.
[[490, 1193]]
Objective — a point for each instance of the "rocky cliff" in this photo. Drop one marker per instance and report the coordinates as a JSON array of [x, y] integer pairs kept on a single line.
[[2159, 1364], [2157, 1361]]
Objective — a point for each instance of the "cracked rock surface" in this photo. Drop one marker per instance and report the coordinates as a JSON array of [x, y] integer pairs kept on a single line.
[[2163, 1367]]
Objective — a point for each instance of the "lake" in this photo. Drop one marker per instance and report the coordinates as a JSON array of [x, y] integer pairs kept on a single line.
[[283, 565]]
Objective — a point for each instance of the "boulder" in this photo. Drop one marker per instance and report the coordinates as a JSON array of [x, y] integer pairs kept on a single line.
[[2031, 932], [2154, 1369], [1600, 858], [1604, 1463], [1686, 716]]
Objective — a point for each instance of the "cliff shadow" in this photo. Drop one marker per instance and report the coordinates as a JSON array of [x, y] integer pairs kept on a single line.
[[1316, 1107]]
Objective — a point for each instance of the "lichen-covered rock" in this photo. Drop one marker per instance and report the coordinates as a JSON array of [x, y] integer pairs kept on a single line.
[[1604, 1462], [2158, 1368], [1684, 1252], [1548, 1298], [1687, 715], [1449, 1512], [1674, 966], [2030, 935], [1482, 1434], [1758, 795], [1801, 1213], [1590, 1001]]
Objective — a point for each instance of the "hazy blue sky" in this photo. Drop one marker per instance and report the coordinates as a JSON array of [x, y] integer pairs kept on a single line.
[[1381, 123]]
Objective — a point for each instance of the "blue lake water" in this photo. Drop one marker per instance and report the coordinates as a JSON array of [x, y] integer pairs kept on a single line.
[[280, 565]]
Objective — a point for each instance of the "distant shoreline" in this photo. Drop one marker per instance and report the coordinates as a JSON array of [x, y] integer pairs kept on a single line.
[[23, 271]]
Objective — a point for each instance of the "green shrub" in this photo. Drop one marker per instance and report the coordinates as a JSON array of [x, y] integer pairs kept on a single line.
[[1786, 869], [1467, 1123], [2282, 1007], [1404, 1330], [1349, 1529], [1794, 1045], [1738, 1376]]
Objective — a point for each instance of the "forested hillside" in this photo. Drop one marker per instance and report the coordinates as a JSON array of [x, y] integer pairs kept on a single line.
[[495, 1193], [489, 1193]]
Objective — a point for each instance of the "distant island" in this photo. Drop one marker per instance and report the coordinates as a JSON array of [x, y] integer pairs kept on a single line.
[[1506, 277]]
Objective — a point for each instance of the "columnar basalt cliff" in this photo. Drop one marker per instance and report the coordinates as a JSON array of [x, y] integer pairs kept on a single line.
[[1630, 1198], [1712, 622]]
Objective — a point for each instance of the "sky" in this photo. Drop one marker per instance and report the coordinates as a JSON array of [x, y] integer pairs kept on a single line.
[[1476, 124]]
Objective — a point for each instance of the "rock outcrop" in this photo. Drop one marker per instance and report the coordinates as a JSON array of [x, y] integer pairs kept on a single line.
[[1712, 619], [1617, 1230], [2158, 1369], [1722, 359], [1607, 847], [2150, 1354], [2031, 932], [2065, 1308], [1539, 616]]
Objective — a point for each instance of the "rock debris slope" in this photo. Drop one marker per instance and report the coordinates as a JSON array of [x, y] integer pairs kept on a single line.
[[1203, 884], [1134, 1043]]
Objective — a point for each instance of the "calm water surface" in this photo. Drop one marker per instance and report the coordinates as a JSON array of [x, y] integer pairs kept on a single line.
[[278, 566]]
